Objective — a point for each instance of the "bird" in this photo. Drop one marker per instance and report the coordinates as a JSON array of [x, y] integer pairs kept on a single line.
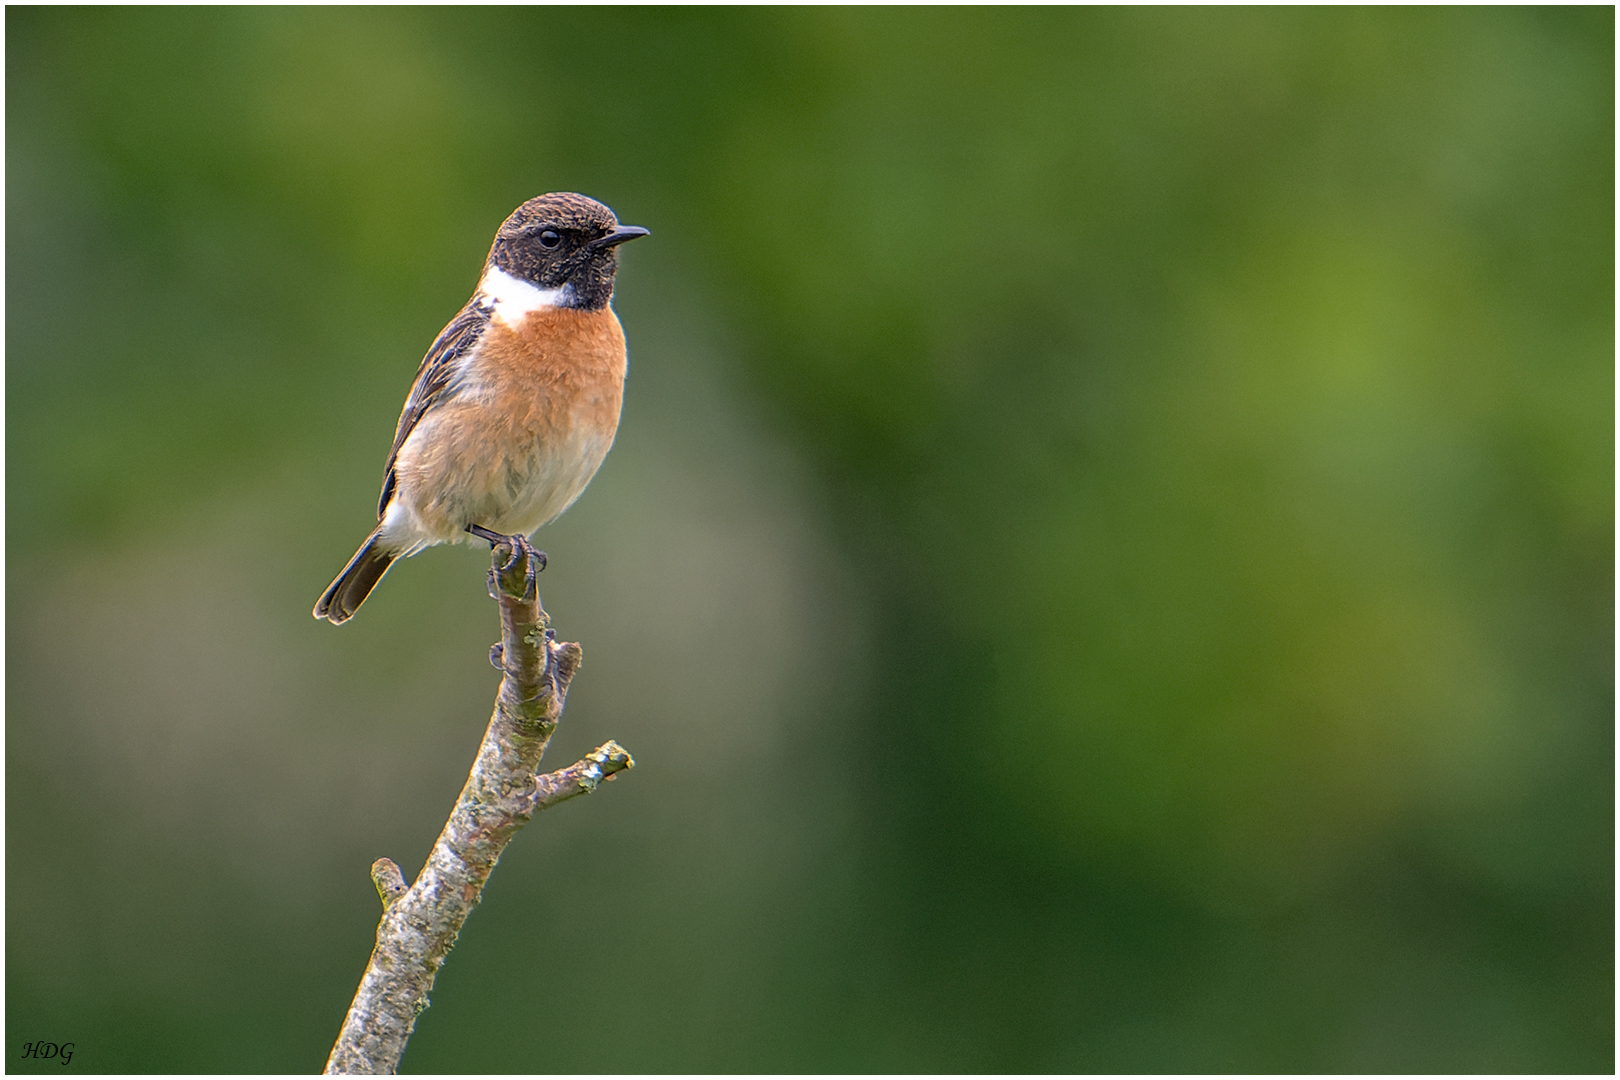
[[515, 404]]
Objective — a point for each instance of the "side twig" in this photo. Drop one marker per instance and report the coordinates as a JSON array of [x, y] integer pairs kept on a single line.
[[420, 922]]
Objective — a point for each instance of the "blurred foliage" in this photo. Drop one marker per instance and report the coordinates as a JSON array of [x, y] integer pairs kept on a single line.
[[1197, 427]]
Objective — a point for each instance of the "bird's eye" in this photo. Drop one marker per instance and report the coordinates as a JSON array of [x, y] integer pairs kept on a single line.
[[550, 238]]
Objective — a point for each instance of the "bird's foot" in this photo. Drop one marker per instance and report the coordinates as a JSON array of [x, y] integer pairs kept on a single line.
[[519, 549]]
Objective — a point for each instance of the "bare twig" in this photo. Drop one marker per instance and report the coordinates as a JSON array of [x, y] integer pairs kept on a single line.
[[420, 923]]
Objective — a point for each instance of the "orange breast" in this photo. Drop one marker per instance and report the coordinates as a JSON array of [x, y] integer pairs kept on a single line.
[[533, 417], [559, 368]]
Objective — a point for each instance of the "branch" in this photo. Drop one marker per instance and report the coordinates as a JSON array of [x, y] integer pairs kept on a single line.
[[420, 923]]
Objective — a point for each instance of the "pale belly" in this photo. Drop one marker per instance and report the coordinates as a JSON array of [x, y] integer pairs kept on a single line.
[[513, 476]]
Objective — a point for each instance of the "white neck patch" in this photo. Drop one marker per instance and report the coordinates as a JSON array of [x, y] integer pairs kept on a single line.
[[515, 298]]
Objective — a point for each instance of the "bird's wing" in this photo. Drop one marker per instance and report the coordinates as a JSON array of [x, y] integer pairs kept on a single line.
[[433, 379]]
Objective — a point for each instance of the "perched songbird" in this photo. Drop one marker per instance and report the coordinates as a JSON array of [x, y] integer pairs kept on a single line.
[[516, 403]]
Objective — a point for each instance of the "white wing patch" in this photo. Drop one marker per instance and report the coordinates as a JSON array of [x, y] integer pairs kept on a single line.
[[515, 298]]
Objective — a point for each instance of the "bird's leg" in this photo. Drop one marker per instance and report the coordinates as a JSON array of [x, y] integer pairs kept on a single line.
[[535, 559]]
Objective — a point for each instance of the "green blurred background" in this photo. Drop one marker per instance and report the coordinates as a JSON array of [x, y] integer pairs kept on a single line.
[[1108, 563]]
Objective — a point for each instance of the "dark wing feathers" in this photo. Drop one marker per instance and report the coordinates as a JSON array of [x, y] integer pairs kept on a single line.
[[433, 379]]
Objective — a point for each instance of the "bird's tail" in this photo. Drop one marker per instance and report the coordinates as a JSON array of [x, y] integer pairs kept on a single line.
[[344, 596]]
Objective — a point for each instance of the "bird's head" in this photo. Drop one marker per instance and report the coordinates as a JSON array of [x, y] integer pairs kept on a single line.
[[563, 243]]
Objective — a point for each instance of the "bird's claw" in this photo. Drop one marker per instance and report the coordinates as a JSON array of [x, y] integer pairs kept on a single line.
[[534, 561], [518, 547]]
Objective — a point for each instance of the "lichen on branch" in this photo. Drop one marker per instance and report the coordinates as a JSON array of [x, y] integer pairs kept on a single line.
[[503, 791]]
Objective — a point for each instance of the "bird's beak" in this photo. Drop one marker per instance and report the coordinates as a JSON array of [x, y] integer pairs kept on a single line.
[[618, 236]]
